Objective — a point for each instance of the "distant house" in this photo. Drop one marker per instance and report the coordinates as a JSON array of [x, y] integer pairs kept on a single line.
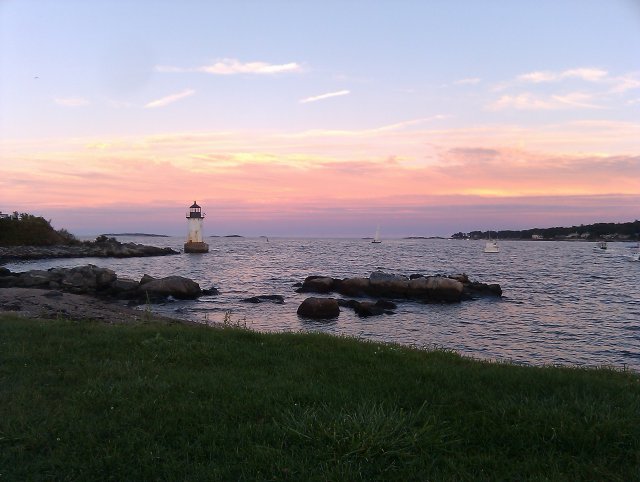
[[3, 215], [537, 236]]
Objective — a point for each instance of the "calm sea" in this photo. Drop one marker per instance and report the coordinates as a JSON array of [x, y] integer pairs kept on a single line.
[[563, 303]]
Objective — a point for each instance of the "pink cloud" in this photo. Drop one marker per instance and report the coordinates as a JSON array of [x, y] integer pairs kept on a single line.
[[422, 175]]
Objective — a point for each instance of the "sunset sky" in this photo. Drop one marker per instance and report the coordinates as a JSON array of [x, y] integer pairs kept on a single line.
[[320, 118]]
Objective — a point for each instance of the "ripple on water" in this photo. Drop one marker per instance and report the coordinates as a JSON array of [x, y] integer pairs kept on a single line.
[[562, 302]]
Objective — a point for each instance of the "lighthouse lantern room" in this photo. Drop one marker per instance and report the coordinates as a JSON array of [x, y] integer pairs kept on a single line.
[[194, 242]]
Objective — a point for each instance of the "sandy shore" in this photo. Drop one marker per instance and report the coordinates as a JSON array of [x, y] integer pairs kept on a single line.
[[51, 304]]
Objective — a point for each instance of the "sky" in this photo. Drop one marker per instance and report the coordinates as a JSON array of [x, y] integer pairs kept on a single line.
[[320, 118]]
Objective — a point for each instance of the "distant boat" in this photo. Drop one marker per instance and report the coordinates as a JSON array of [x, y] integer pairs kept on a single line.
[[600, 246], [491, 246], [376, 239], [635, 257]]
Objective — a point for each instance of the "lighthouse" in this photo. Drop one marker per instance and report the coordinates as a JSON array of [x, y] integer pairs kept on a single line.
[[194, 242]]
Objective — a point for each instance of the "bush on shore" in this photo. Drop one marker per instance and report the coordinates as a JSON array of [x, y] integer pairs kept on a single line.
[[29, 230]]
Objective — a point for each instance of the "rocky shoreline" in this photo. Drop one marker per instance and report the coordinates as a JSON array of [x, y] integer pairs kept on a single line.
[[377, 295], [101, 248], [90, 293]]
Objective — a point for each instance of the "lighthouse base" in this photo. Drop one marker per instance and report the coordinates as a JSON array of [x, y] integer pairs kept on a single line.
[[192, 247]]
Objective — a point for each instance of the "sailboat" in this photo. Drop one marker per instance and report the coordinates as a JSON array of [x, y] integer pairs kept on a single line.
[[491, 246], [376, 239]]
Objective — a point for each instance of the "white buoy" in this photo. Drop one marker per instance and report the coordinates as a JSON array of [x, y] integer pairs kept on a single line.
[[194, 242]]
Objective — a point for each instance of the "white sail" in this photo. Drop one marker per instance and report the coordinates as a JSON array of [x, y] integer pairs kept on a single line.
[[376, 239]]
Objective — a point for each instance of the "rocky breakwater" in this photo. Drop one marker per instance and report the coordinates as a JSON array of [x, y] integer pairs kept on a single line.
[[103, 282], [383, 286], [102, 247]]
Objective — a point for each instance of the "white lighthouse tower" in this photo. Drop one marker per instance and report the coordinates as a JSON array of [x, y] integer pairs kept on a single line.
[[194, 242]]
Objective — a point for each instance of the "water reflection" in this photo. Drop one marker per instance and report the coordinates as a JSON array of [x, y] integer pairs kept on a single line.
[[562, 302]]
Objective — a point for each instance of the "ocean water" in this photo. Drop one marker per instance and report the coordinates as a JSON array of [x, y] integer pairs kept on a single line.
[[563, 302]]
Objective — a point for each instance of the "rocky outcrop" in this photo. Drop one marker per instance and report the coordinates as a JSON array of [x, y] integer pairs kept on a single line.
[[319, 308], [91, 279], [105, 248], [428, 289]]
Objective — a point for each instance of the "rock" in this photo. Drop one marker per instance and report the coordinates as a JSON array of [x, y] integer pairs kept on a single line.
[[125, 288], [414, 276], [85, 279], [319, 308], [5, 271], [34, 279], [317, 284], [211, 291], [388, 285], [101, 248], [259, 299], [353, 286], [176, 286], [8, 281], [463, 278], [369, 308], [386, 304], [476, 288], [435, 289], [145, 279]]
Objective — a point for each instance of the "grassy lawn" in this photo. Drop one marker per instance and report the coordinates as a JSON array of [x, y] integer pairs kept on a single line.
[[88, 401]]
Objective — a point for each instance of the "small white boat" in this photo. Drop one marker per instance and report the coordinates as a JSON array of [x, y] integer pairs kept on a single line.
[[635, 256], [600, 246], [376, 239], [491, 246]]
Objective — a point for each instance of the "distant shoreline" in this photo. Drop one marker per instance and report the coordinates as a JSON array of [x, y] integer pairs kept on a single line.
[[138, 234]]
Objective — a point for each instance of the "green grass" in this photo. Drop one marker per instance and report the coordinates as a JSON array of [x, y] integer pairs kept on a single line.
[[87, 401]]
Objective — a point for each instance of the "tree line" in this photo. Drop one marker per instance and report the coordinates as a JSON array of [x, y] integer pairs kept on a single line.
[[620, 231], [23, 229]]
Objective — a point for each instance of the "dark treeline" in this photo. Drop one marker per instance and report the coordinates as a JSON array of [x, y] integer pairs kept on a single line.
[[619, 231], [29, 230]]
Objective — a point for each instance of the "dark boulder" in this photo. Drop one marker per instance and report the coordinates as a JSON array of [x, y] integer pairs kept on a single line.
[[353, 286], [435, 289], [124, 288], [211, 291], [277, 299], [35, 279], [475, 289], [369, 308], [388, 285], [176, 286], [317, 284], [319, 308], [145, 279]]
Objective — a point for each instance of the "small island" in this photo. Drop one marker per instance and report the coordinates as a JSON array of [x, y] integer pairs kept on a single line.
[[25, 236]]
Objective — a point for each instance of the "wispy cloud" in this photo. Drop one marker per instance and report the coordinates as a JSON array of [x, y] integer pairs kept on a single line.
[[170, 99], [469, 81], [529, 101], [408, 123], [234, 66], [585, 73], [625, 82], [71, 101], [328, 95]]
